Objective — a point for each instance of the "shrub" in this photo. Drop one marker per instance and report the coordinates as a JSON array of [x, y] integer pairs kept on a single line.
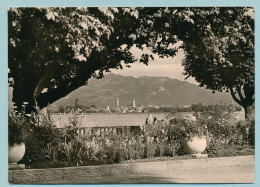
[[48, 144], [16, 124], [251, 137], [246, 132], [169, 150], [40, 132]]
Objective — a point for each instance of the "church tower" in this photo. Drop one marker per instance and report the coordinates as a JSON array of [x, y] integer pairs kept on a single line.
[[117, 102], [133, 102]]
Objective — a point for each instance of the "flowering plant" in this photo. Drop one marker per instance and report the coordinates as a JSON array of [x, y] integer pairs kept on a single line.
[[187, 129], [16, 123]]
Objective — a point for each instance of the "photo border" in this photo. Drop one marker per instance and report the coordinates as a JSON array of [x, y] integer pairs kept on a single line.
[[118, 3]]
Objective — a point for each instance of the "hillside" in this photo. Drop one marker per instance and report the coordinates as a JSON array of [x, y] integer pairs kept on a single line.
[[145, 90]]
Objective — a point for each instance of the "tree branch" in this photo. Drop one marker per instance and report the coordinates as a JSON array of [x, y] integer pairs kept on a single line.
[[44, 79], [86, 70], [51, 96], [242, 99], [234, 96]]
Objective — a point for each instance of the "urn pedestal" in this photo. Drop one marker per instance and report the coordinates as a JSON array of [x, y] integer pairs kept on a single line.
[[15, 154], [196, 146]]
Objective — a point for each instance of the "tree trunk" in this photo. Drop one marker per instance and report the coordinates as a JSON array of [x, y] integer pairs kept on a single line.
[[249, 112], [245, 100], [23, 100]]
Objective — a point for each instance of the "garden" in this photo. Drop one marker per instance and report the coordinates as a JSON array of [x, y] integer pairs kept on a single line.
[[49, 147], [218, 45]]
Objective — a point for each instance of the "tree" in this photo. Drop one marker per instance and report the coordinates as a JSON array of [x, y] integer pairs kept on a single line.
[[218, 45], [53, 51], [93, 106], [219, 52]]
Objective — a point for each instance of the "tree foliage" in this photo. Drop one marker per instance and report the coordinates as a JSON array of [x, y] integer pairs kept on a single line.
[[218, 44], [219, 52], [53, 51]]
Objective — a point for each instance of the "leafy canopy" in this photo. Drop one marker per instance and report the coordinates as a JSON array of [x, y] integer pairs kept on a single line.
[[53, 51]]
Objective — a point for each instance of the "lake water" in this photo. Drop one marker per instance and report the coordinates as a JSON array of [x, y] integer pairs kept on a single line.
[[104, 120], [115, 120]]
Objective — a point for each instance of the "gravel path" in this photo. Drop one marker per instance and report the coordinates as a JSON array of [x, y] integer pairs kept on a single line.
[[239, 169]]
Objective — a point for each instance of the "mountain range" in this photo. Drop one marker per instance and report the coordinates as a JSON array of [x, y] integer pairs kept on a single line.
[[145, 90]]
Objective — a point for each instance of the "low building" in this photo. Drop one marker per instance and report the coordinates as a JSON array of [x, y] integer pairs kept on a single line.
[[99, 123]]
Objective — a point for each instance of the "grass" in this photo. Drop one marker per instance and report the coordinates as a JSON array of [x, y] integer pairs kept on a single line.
[[158, 159], [225, 151], [47, 164], [228, 151]]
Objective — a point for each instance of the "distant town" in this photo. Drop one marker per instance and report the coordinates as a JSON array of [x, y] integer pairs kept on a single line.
[[133, 108]]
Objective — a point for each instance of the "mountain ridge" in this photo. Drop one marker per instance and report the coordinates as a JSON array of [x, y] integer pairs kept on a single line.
[[145, 89]]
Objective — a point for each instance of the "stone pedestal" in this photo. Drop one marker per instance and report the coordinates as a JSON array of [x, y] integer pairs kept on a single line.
[[16, 166], [199, 155]]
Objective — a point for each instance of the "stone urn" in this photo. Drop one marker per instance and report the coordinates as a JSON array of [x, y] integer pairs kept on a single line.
[[15, 153], [195, 145]]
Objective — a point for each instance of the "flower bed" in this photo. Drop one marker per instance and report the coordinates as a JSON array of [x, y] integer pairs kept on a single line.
[[46, 146]]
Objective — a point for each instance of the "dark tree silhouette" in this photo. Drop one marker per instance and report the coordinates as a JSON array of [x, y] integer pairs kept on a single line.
[[219, 52], [53, 51]]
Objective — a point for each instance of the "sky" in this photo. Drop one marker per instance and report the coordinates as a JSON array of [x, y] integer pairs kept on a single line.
[[160, 67], [166, 67]]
